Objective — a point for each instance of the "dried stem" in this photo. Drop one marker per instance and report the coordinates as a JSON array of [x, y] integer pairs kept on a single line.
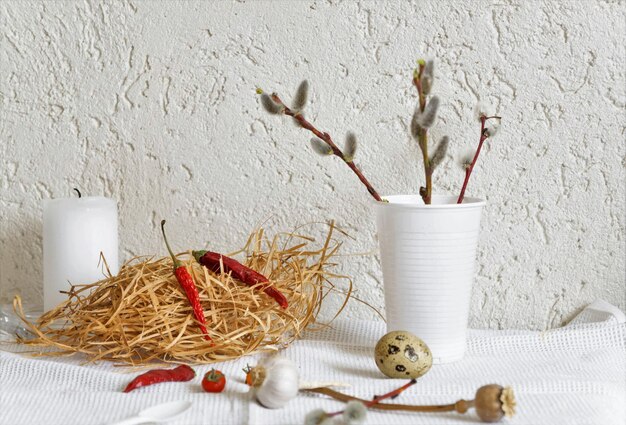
[[460, 406], [392, 394], [468, 171], [367, 403], [326, 138], [425, 192]]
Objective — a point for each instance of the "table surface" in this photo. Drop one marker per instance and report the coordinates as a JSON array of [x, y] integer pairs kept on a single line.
[[571, 375]]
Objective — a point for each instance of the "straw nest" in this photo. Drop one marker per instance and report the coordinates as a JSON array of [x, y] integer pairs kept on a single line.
[[142, 314]]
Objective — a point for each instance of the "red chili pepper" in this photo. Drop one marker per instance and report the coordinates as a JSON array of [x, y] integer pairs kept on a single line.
[[189, 286], [182, 373], [211, 260], [214, 381]]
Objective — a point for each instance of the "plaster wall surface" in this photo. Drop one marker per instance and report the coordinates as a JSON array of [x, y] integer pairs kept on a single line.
[[153, 103]]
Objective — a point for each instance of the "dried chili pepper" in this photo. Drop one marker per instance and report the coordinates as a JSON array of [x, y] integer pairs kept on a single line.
[[181, 373], [211, 260], [214, 381], [189, 286]]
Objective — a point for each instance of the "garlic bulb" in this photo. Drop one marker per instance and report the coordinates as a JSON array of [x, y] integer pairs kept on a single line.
[[275, 381]]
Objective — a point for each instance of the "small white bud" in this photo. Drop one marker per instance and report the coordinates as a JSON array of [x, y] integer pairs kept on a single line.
[[482, 109], [349, 149], [321, 147], [466, 160], [494, 127]]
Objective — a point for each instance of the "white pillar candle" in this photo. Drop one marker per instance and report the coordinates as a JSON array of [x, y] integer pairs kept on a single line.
[[75, 232]]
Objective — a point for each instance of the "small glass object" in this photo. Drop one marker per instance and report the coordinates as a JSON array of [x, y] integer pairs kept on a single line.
[[12, 326]]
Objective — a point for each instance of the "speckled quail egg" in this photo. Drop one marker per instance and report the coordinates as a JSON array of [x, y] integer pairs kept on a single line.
[[400, 354]]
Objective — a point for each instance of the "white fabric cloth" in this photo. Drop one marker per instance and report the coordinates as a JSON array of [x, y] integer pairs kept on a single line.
[[571, 375]]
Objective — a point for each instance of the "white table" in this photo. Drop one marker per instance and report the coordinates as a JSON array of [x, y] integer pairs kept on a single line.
[[571, 375]]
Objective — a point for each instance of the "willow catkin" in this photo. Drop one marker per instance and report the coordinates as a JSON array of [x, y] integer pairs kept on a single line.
[[440, 152], [350, 147], [427, 118], [269, 105], [302, 94], [321, 147]]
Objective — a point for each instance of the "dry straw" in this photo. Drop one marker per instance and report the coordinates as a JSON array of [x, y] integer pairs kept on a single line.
[[142, 314]]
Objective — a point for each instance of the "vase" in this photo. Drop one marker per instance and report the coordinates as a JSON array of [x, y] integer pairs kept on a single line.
[[428, 253]]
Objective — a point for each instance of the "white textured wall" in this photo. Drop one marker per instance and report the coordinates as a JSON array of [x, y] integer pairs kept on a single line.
[[153, 103]]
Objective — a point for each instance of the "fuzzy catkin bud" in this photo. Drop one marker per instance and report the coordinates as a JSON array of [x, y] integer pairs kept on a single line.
[[466, 160], [482, 109], [428, 77], [302, 94], [349, 149], [354, 412], [429, 68], [415, 127], [321, 147], [315, 417], [269, 105], [427, 118], [494, 127], [440, 152]]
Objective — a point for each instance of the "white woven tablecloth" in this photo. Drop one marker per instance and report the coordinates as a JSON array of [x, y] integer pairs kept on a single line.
[[572, 375]]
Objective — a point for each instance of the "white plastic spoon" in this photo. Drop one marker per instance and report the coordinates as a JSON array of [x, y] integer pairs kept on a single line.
[[159, 413]]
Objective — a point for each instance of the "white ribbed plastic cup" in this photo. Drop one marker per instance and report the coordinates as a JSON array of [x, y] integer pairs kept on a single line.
[[428, 254]]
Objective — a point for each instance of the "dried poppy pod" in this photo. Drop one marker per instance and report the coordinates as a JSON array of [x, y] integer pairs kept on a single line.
[[492, 402]]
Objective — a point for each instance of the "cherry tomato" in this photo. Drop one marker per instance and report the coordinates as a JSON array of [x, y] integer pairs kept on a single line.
[[214, 381]]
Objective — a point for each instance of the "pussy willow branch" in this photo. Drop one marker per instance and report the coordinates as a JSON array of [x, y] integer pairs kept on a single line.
[[470, 168], [460, 406], [423, 138], [326, 138]]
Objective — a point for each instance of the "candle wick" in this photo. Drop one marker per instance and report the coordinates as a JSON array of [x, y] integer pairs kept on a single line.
[[78, 191]]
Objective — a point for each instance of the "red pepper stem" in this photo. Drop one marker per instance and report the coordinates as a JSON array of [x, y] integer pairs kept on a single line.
[[176, 261], [198, 254]]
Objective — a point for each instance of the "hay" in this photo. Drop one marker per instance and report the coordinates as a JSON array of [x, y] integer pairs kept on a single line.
[[142, 314]]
